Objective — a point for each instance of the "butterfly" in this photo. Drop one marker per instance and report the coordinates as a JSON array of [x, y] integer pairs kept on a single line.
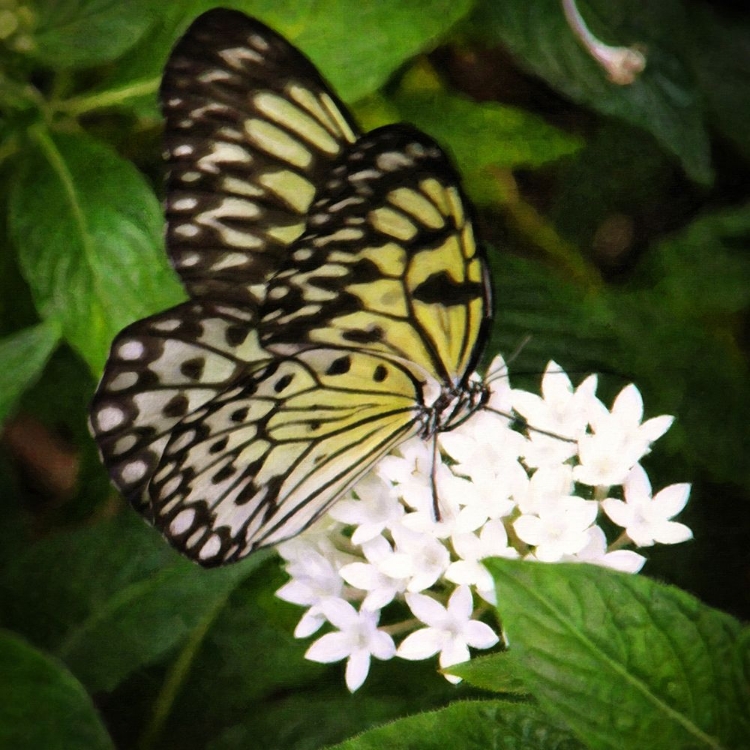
[[338, 302]]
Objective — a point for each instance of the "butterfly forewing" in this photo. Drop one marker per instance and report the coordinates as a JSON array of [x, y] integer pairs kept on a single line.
[[388, 261], [267, 457], [159, 370], [251, 127]]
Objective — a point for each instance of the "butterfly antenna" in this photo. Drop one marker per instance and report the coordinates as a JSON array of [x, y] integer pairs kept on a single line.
[[502, 372], [523, 424]]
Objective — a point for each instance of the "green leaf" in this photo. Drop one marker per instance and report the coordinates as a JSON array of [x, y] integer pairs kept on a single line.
[[496, 672], [480, 725], [42, 705], [675, 325], [702, 270], [80, 33], [483, 137], [145, 620], [87, 229], [134, 82], [485, 134], [64, 579], [624, 661], [721, 62], [387, 35], [24, 355], [663, 100]]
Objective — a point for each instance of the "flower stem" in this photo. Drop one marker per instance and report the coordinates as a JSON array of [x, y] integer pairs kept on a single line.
[[623, 64], [175, 678]]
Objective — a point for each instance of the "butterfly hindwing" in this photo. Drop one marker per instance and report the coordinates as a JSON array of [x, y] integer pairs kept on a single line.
[[265, 458], [159, 370], [251, 127], [388, 261]]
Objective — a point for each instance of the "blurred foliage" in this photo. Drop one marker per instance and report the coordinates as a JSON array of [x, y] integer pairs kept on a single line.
[[617, 222]]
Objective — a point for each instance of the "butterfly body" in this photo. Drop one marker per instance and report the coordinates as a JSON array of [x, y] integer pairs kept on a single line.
[[339, 302]]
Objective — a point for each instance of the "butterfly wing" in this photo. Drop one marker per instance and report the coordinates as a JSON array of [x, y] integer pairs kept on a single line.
[[159, 370], [251, 127], [264, 459], [388, 261]]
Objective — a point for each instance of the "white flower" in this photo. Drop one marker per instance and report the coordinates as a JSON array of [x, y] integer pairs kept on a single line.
[[562, 411], [374, 511], [450, 491], [645, 519], [420, 558], [381, 587], [546, 486], [410, 472], [595, 552], [314, 570], [472, 549], [559, 529], [357, 639], [501, 394], [450, 630], [619, 440]]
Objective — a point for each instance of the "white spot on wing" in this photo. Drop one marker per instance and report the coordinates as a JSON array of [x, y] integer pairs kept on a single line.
[[131, 350], [123, 380], [182, 522], [109, 417], [133, 471], [211, 548]]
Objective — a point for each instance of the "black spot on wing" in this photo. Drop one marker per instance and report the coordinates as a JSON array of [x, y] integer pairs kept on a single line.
[[361, 336], [441, 289], [340, 366], [282, 383], [176, 407], [193, 368]]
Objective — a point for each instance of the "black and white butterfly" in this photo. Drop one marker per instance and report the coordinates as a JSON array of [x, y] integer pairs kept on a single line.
[[338, 302]]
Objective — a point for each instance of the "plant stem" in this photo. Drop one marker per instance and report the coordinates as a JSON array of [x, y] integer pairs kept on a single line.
[[80, 105]]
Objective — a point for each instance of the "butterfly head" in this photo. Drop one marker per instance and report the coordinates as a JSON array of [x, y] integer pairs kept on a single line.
[[454, 405]]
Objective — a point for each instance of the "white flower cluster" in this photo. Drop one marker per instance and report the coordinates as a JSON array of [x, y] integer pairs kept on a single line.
[[534, 495]]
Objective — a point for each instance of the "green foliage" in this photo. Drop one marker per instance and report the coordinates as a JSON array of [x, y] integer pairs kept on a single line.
[[24, 354], [664, 100], [42, 704], [473, 725], [617, 224], [581, 635]]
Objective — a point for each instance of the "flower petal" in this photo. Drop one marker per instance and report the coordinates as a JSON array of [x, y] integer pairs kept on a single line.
[[422, 644], [426, 609], [479, 635], [357, 668], [329, 648]]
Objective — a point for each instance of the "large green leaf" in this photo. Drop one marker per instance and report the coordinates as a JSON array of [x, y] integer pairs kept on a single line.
[[624, 661], [359, 45], [147, 619], [42, 705], [356, 63], [23, 356], [470, 725], [722, 67], [112, 598], [485, 134], [79, 33], [63, 580], [87, 229], [664, 100]]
